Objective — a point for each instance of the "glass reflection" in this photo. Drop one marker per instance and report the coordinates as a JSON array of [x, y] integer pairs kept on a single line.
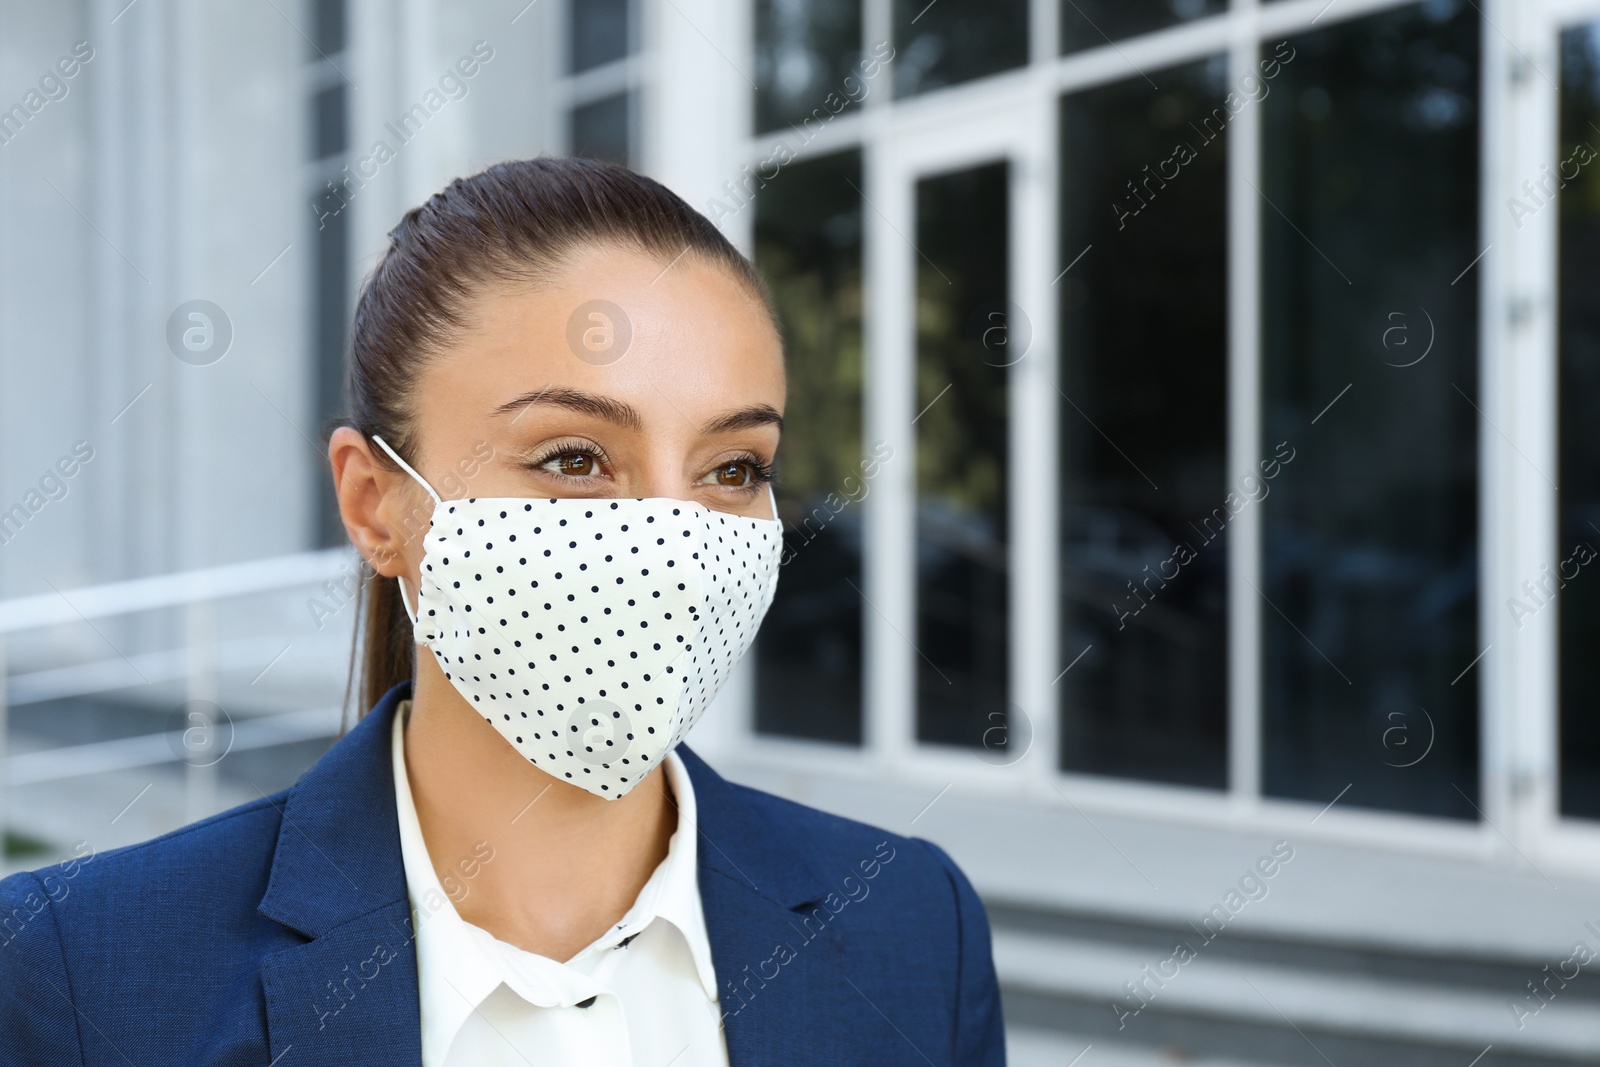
[[963, 326], [808, 653], [1092, 23], [1144, 427], [947, 42], [1370, 570], [1575, 576], [599, 32], [604, 129], [805, 50], [327, 29]]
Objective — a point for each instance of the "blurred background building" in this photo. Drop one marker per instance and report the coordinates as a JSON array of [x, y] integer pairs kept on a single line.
[[1191, 469]]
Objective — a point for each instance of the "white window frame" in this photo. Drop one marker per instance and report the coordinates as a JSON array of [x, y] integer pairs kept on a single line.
[[570, 91], [1526, 321]]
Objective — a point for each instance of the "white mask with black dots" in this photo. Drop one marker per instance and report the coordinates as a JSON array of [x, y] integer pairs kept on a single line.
[[591, 633]]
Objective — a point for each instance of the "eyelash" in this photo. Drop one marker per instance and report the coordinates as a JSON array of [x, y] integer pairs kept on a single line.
[[566, 448], [761, 473]]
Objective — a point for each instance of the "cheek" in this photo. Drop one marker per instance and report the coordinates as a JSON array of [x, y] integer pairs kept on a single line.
[[406, 516]]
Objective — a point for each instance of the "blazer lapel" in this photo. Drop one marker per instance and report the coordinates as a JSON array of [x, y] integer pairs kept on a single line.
[[349, 996], [781, 978], [349, 993]]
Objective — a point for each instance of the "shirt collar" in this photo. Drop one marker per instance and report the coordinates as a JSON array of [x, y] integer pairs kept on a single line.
[[459, 965], [679, 895]]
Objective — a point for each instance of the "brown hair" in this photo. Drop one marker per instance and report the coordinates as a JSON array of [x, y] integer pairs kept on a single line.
[[515, 223]]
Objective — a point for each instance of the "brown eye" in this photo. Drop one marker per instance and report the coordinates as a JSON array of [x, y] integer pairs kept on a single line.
[[575, 464], [733, 475]]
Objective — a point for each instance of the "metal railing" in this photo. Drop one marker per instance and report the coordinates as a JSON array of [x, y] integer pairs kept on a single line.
[[197, 662]]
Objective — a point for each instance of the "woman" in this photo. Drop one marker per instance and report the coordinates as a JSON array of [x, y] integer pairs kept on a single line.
[[566, 391]]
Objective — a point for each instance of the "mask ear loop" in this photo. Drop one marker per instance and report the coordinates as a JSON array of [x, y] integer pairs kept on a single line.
[[404, 603], [407, 467]]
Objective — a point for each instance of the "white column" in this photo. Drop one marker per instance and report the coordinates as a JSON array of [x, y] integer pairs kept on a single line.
[[888, 574], [696, 98], [1518, 504], [375, 62], [889, 622], [698, 93], [1035, 549], [1244, 418]]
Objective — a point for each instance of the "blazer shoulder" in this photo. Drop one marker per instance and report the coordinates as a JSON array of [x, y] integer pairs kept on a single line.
[[837, 847], [817, 828], [231, 850], [37, 1020], [903, 904], [88, 936]]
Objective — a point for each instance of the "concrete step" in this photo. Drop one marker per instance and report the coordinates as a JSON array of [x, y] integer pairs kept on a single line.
[[1028, 1046], [1280, 1006]]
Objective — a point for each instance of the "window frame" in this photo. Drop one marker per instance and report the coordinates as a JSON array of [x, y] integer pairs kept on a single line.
[[1528, 748], [569, 91]]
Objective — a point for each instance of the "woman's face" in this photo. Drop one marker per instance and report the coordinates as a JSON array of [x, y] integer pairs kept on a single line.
[[676, 389], [626, 378]]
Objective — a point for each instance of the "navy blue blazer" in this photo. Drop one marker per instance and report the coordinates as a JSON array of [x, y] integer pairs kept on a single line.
[[280, 933]]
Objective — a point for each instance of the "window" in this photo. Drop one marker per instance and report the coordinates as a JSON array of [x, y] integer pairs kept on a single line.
[[1571, 182], [604, 129], [808, 245], [330, 235], [805, 49], [1143, 428], [945, 42], [1092, 23], [600, 33], [963, 472], [601, 91], [1264, 504], [1369, 381]]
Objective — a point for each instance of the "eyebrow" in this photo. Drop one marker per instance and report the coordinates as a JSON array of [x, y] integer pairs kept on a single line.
[[627, 416]]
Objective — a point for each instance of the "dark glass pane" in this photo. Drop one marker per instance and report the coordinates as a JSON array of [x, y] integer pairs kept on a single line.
[[1092, 23], [808, 655], [327, 27], [962, 631], [603, 129], [1370, 351], [600, 32], [809, 64], [1144, 429], [945, 42], [330, 316], [328, 121], [1579, 397]]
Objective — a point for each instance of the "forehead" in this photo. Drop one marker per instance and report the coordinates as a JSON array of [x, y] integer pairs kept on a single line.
[[616, 321]]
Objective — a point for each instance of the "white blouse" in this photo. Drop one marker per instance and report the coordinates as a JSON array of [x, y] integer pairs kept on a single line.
[[648, 982]]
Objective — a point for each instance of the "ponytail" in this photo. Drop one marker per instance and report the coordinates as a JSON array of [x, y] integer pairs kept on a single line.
[[383, 653]]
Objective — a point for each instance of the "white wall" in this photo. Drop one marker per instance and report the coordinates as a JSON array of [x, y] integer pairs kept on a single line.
[[174, 159]]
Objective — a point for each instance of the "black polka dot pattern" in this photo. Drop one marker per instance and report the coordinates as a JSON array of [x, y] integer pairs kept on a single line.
[[593, 633]]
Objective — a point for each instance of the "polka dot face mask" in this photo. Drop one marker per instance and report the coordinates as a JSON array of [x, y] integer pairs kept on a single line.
[[591, 633]]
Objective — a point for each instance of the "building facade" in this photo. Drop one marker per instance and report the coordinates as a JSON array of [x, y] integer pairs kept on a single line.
[[1188, 470]]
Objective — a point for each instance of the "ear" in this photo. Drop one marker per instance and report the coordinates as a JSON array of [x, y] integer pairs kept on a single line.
[[380, 507]]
